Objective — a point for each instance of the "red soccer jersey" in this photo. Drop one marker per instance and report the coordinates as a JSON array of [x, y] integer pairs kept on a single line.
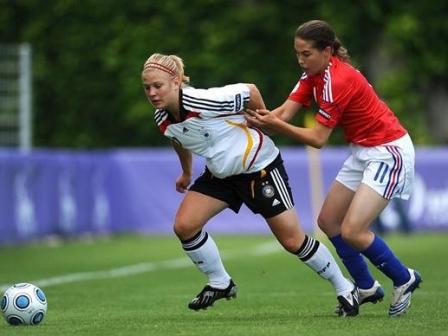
[[346, 99]]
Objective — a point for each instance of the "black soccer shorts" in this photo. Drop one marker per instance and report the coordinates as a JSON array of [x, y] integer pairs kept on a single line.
[[266, 192]]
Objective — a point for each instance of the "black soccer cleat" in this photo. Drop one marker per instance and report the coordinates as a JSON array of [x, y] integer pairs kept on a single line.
[[373, 294], [207, 297], [349, 303]]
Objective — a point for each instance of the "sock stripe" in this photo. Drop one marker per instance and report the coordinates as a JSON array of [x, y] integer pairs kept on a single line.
[[305, 242], [195, 242], [308, 248], [307, 245], [192, 239]]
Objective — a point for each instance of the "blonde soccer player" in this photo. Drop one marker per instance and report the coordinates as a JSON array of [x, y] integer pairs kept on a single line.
[[243, 165]]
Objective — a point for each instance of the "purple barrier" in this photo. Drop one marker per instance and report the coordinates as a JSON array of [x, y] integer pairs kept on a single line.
[[70, 193]]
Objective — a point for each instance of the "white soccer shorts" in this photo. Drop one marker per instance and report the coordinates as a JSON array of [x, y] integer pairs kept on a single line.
[[388, 169]]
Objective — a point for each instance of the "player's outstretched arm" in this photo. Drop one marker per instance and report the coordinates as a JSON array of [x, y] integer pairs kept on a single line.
[[316, 136], [287, 110]]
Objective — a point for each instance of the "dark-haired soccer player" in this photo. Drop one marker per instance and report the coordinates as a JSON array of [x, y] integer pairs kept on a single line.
[[380, 167]]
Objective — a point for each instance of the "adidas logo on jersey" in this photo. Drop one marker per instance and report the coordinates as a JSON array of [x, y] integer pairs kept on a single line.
[[275, 202]]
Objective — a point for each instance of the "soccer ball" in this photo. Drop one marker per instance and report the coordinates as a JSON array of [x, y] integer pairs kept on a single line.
[[23, 303]]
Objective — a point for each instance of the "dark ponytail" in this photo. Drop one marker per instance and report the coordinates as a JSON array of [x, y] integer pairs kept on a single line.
[[340, 51], [322, 35]]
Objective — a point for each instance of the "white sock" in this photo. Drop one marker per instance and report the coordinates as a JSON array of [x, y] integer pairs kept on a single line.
[[317, 256], [204, 253]]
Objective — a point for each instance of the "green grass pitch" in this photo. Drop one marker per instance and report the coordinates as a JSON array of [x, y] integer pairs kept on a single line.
[[140, 285]]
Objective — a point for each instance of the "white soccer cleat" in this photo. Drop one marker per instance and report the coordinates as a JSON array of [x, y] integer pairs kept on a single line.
[[374, 294], [401, 296]]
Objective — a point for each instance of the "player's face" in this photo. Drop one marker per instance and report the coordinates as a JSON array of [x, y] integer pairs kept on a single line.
[[161, 89], [313, 61]]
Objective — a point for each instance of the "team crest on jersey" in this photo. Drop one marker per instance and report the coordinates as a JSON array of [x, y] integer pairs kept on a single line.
[[268, 191]]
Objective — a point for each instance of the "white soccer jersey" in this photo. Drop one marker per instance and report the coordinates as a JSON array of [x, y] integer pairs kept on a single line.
[[212, 125]]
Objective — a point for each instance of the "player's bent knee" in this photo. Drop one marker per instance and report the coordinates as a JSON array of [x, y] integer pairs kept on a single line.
[[350, 234], [321, 223], [291, 245], [325, 225], [184, 230]]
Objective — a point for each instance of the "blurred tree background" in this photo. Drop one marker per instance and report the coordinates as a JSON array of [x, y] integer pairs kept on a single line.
[[88, 56]]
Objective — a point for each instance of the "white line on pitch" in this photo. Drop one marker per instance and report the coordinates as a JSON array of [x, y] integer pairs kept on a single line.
[[259, 250]]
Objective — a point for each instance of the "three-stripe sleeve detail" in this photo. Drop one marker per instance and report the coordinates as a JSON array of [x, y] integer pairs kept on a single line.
[[194, 103]]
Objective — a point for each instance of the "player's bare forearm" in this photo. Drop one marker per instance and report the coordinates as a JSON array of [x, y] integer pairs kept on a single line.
[[315, 137], [185, 158], [186, 161], [287, 110]]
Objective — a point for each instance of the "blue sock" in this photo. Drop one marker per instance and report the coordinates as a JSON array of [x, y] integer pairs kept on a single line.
[[384, 259], [354, 262]]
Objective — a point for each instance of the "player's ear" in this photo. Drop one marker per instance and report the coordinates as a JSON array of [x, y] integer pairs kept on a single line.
[[176, 81]]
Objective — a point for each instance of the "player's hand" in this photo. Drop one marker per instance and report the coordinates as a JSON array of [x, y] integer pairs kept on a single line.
[[262, 119], [183, 182]]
